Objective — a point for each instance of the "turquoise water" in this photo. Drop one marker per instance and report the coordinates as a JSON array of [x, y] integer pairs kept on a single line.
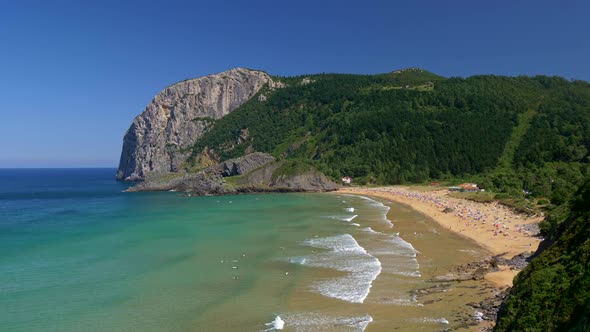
[[77, 253]]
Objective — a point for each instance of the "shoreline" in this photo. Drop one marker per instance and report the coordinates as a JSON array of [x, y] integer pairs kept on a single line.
[[495, 228]]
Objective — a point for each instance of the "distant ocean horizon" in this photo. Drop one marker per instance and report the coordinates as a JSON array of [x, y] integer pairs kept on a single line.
[[79, 253]]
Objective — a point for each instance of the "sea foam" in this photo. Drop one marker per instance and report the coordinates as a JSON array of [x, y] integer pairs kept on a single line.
[[405, 257], [402, 247], [370, 230], [399, 255], [346, 255], [308, 321], [343, 218], [277, 324], [429, 320], [351, 218], [384, 209]]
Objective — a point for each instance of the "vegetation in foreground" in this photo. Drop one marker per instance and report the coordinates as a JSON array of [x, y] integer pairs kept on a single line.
[[553, 292]]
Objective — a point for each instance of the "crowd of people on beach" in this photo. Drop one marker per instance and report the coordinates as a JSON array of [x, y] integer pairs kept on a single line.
[[493, 217]]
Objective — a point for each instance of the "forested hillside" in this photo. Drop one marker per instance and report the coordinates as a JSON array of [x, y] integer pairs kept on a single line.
[[518, 135], [553, 292]]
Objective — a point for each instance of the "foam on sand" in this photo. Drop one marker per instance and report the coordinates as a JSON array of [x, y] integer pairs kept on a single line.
[[276, 324], [402, 246], [308, 321], [411, 301], [429, 320], [399, 255], [346, 255]]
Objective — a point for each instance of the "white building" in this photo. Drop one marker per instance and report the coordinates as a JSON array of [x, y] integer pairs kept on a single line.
[[347, 179]]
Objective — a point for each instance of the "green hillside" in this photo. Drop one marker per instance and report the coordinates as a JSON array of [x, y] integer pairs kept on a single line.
[[527, 139], [511, 134], [553, 292]]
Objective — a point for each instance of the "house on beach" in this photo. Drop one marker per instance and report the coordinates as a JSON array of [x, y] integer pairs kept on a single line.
[[470, 187]]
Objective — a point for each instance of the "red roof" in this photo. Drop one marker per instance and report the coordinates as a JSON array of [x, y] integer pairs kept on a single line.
[[469, 186]]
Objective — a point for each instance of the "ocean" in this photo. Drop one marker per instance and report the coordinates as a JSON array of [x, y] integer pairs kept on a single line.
[[77, 253]]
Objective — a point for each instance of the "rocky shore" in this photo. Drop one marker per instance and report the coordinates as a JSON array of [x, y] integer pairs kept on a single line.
[[255, 172], [483, 313]]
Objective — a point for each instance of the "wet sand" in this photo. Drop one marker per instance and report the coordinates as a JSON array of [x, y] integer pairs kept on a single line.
[[492, 226], [399, 299], [390, 303], [409, 254]]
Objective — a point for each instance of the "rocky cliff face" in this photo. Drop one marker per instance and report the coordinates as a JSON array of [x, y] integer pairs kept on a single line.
[[179, 115], [255, 172], [209, 181]]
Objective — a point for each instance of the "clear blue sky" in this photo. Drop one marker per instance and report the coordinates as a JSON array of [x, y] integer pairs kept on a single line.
[[73, 75]]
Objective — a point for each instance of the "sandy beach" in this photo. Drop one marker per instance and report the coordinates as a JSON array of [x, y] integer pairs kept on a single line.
[[493, 226]]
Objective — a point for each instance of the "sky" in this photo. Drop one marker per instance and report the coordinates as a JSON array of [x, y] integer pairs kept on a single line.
[[74, 74]]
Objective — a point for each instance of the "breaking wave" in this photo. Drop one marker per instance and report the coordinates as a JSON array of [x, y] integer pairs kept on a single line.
[[346, 255]]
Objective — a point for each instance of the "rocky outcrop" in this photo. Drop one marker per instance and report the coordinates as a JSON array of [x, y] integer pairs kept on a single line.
[[158, 139], [470, 271], [202, 183], [256, 172], [311, 180], [209, 181], [244, 165]]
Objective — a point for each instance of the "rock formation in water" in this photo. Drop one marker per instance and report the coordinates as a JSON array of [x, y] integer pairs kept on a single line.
[[255, 172], [179, 115]]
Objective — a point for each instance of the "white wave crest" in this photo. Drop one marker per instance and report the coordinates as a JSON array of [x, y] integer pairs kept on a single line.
[[370, 230], [343, 218], [399, 255], [382, 207], [402, 247], [346, 255]]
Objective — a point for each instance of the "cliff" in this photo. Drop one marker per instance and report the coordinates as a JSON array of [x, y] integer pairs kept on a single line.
[[553, 292], [255, 172], [179, 115]]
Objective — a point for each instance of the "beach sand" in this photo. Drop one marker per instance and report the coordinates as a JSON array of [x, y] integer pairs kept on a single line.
[[491, 225]]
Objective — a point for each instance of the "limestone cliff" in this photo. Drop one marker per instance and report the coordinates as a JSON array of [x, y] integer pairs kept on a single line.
[[179, 115], [255, 172]]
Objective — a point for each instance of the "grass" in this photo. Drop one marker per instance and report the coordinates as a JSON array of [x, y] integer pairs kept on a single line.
[[234, 181], [424, 188], [524, 123], [520, 205], [291, 168], [422, 88], [294, 141], [482, 197]]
